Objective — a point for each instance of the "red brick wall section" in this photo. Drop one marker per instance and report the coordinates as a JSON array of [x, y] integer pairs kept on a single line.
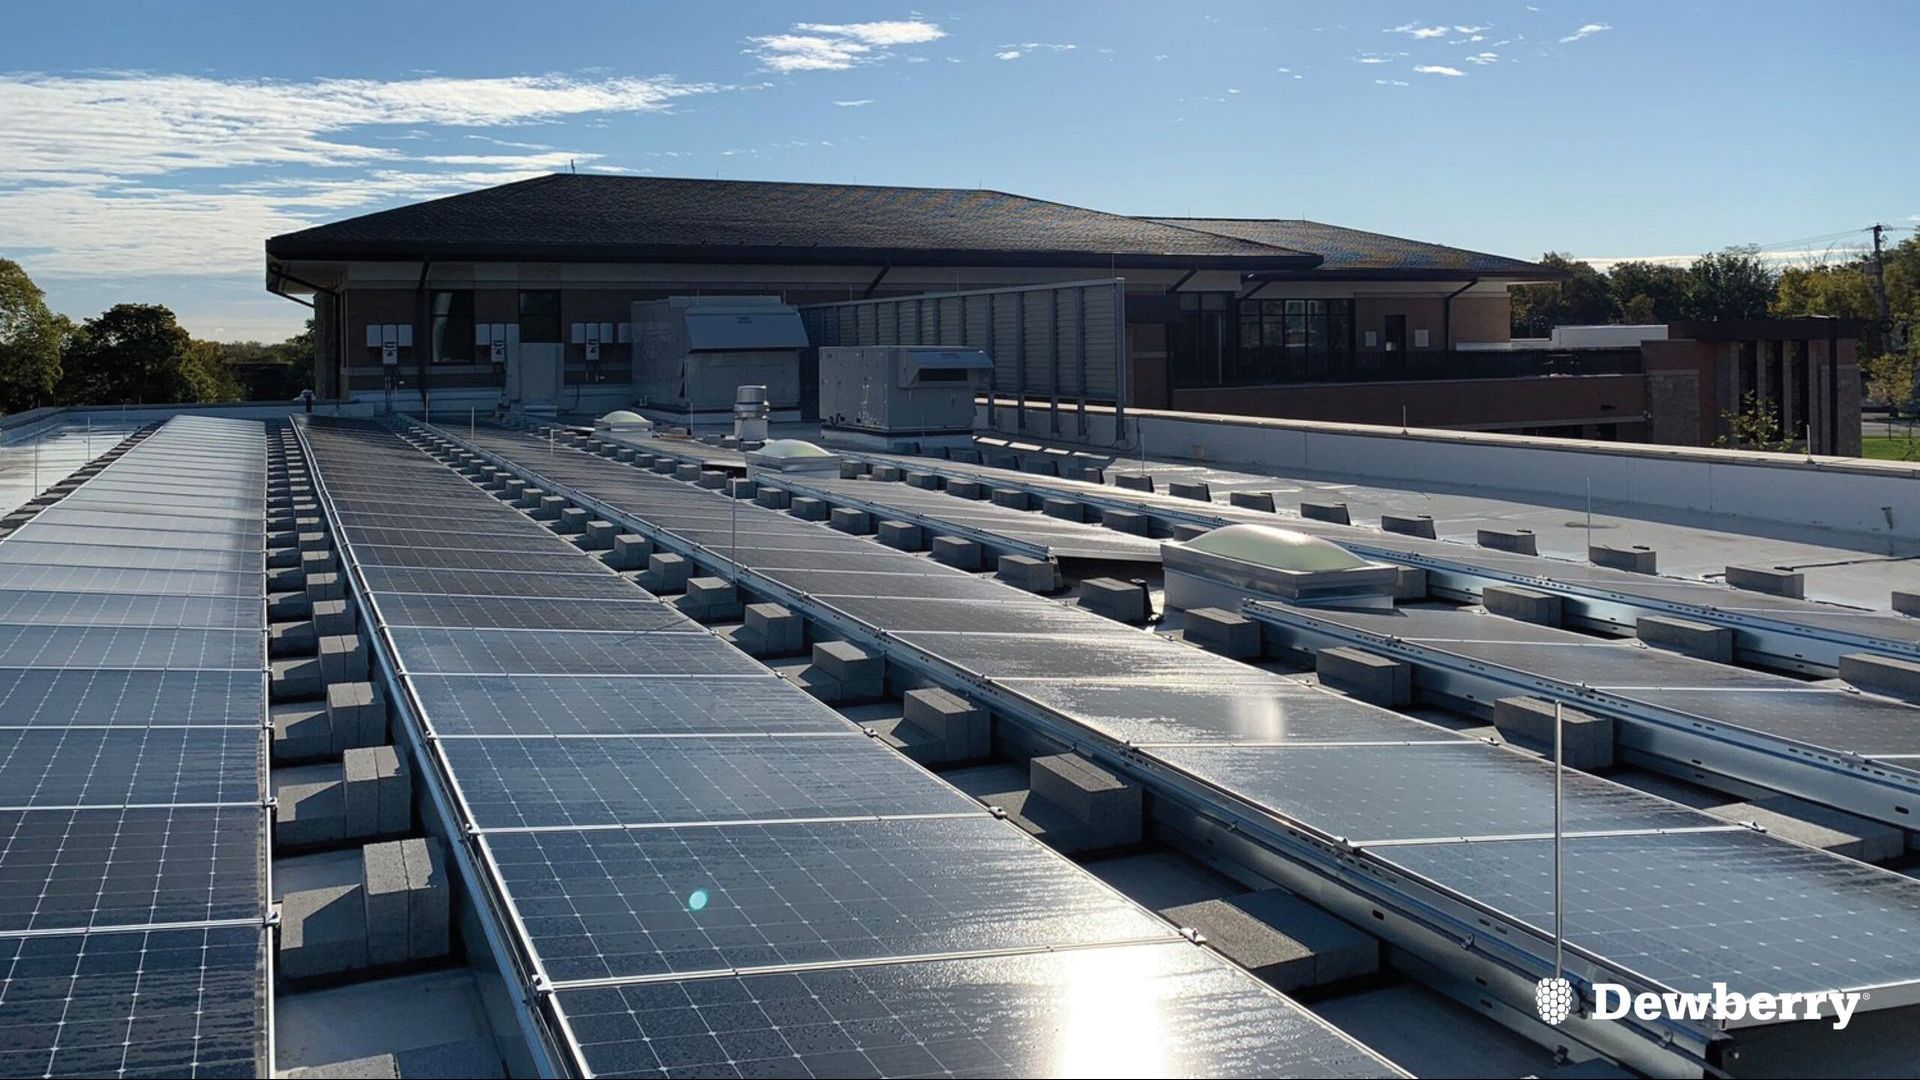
[[1468, 403]]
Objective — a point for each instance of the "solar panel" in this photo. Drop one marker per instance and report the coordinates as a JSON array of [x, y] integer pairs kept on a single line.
[[1141, 1010], [527, 613], [537, 783], [131, 647], [446, 558], [925, 583], [80, 697], [601, 903], [1006, 616], [1100, 651], [1869, 726], [117, 579], [146, 536], [587, 585], [63, 516], [178, 1002], [1249, 708], [1695, 908], [24, 550], [23, 607], [433, 651], [53, 766], [82, 869], [589, 705]]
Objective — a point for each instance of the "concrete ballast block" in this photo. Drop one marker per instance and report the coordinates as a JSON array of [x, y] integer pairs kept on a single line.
[[1133, 481], [383, 882], [1882, 675], [1064, 509], [429, 896], [630, 551], [1224, 632], [1335, 512], [1190, 489], [1768, 579], [900, 534], [1029, 573], [957, 728], [956, 552], [773, 498], [343, 658], [1127, 521], [356, 716], [1125, 601], [1519, 541], [1252, 500], [808, 509], [1906, 603], [1183, 531], [1697, 639], [1284, 940], [773, 630], [710, 599], [1012, 499], [849, 520], [1367, 676], [322, 932], [1526, 605], [1639, 559], [1092, 796], [1586, 740]]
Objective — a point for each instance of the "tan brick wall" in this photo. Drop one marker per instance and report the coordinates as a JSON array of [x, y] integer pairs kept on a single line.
[[1482, 318]]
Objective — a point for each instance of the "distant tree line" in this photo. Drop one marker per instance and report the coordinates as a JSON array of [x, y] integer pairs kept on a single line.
[[1739, 284], [130, 354]]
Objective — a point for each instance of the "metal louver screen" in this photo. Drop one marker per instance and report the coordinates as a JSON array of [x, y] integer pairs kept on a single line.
[[1063, 344]]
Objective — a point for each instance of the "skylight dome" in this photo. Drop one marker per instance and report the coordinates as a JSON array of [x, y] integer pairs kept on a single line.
[[1280, 549]]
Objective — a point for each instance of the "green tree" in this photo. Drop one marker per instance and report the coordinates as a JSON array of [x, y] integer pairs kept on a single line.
[[1734, 283], [30, 339], [1755, 427], [1648, 292], [132, 354], [1581, 298]]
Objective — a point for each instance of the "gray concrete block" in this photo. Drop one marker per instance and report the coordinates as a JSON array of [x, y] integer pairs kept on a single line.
[[283, 556], [1906, 603], [1637, 558], [1127, 521], [1012, 499], [512, 489], [1133, 481], [598, 535], [428, 897], [773, 498], [667, 572], [1092, 796], [378, 791], [773, 630], [687, 471], [285, 639], [283, 606], [383, 886], [286, 578], [295, 679], [1819, 826], [666, 466], [956, 552], [325, 587], [1335, 512], [1887, 675], [740, 488], [1029, 573], [1409, 583], [886, 473], [322, 932], [475, 1059], [968, 489], [1367, 676], [1064, 509], [807, 509], [1252, 500], [710, 599], [1184, 532], [1586, 740], [900, 534], [926, 481], [956, 728], [1224, 632], [1519, 541], [847, 662], [630, 551], [529, 500], [332, 618], [1697, 639], [343, 658], [711, 479], [316, 540], [1125, 601], [356, 715], [300, 732], [549, 508], [1773, 580], [310, 807], [572, 521], [1526, 605], [1190, 489], [1286, 941], [853, 470], [849, 520]]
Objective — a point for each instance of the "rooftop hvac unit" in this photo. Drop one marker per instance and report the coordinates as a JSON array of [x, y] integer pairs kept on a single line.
[[691, 353], [890, 395]]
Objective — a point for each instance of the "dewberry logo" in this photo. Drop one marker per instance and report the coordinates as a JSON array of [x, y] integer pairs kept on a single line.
[[1553, 999]]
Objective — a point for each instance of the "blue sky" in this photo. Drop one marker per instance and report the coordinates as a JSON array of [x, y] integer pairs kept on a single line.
[[146, 150]]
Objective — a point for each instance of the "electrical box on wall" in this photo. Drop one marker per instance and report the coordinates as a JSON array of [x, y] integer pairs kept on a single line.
[[389, 338]]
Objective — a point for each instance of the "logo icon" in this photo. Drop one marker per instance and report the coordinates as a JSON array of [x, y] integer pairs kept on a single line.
[[1553, 1000]]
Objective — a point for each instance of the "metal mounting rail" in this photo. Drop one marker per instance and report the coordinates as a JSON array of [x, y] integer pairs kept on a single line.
[[490, 897], [1774, 641], [1687, 743], [1449, 929]]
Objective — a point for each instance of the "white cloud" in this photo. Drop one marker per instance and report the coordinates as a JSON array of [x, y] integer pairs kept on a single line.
[[1484, 58], [1586, 31], [1390, 82], [1016, 51], [1469, 29], [1418, 31], [838, 46], [1007, 54], [855, 103], [1438, 69]]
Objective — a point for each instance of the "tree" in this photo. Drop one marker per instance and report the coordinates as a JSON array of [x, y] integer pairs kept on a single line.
[[1890, 376], [30, 339], [1734, 283], [132, 354], [1647, 292], [1755, 427], [1582, 298]]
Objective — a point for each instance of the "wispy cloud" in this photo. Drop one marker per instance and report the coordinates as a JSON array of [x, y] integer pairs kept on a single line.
[[838, 46], [1015, 52], [1391, 82], [1438, 69], [1484, 58], [1417, 31], [1586, 31], [855, 103]]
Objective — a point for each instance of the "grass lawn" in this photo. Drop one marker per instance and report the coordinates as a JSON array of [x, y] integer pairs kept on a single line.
[[1890, 448]]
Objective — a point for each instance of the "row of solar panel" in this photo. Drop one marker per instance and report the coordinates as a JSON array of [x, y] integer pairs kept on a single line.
[[1771, 916], [666, 815], [133, 838]]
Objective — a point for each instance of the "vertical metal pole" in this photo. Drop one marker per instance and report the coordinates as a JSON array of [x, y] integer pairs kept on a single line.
[[1559, 909], [1589, 511], [471, 411]]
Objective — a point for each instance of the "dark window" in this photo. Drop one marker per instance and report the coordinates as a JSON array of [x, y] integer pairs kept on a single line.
[[1200, 345], [540, 317], [954, 374], [453, 327], [1293, 341]]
